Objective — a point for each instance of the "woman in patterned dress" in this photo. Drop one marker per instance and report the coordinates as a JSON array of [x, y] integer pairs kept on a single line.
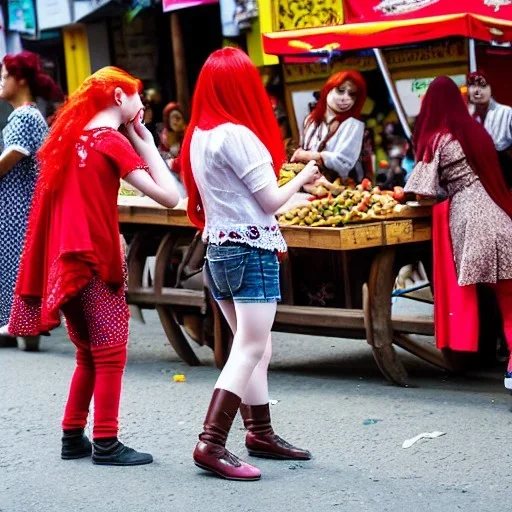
[[455, 152], [21, 81], [72, 261]]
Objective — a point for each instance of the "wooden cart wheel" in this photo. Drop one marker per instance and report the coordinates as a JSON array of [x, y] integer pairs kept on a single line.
[[378, 317], [167, 316], [424, 351], [136, 261], [382, 331]]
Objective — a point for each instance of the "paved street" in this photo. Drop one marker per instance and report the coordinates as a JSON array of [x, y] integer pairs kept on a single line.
[[325, 388]]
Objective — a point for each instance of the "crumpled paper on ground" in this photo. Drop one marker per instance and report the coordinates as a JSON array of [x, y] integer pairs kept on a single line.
[[424, 435]]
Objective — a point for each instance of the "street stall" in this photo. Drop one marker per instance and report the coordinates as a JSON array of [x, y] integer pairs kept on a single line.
[[367, 246], [378, 243], [401, 30], [373, 26]]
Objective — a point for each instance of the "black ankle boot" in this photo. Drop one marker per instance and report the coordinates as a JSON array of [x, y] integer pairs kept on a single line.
[[75, 444], [111, 452]]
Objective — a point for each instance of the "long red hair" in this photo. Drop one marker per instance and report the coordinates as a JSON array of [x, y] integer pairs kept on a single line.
[[27, 66], [229, 90], [94, 95], [443, 111], [317, 116]]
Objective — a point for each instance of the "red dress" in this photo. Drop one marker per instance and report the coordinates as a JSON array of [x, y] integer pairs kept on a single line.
[[73, 232]]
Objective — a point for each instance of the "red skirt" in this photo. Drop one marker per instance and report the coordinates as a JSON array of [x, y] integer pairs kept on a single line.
[[455, 307]]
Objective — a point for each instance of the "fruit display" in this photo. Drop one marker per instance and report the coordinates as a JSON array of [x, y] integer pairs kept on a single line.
[[345, 205], [288, 172]]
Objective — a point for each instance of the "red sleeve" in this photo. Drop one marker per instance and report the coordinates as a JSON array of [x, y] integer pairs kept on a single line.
[[176, 165], [117, 148]]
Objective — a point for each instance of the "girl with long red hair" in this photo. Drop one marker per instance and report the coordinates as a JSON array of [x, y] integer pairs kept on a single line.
[[22, 80], [472, 229], [231, 156], [72, 259], [333, 132]]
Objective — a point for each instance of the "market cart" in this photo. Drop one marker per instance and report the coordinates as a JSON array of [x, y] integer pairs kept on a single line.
[[379, 246]]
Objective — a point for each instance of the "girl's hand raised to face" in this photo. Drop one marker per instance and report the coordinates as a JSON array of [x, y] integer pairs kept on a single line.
[[137, 132]]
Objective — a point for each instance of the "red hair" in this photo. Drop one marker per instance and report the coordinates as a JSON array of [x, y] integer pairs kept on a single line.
[[27, 66], [167, 110], [317, 116], [94, 95], [229, 90], [443, 111]]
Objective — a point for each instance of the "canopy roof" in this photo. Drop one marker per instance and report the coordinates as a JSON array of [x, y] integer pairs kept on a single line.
[[370, 24]]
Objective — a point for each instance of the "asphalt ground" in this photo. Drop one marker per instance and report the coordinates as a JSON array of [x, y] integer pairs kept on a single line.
[[326, 391]]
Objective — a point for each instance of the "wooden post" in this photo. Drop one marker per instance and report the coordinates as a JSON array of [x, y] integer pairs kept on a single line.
[[180, 68]]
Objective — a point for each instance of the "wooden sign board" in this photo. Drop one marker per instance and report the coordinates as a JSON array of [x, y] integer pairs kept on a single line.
[[398, 232]]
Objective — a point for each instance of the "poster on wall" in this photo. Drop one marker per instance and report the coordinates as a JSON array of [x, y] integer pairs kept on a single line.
[[357, 11], [412, 90], [22, 16], [174, 5], [53, 13]]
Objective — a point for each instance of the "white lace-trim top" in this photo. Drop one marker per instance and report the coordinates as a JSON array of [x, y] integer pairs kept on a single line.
[[230, 164]]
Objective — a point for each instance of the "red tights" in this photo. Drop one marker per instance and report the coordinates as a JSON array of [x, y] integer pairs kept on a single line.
[[98, 372], [97, 323], [503, 291]]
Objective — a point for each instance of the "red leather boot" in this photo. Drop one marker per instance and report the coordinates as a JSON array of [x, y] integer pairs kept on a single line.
[[211, 453], [261, 441]]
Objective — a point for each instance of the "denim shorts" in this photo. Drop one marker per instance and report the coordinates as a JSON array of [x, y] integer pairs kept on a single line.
[[242, 273]]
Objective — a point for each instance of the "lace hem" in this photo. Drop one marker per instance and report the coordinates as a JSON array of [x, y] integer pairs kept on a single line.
[[262, 237]]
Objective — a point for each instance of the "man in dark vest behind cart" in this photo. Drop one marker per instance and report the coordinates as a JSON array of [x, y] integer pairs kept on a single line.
[[496, 118]]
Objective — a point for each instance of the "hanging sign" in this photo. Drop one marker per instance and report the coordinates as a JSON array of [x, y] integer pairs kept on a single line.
[[174, 5], [22, 17], [53, 14], [358, 11]]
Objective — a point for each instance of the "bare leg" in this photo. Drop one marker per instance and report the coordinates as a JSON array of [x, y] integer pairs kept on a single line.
[[256, 392], [257, 388], [253, 326]]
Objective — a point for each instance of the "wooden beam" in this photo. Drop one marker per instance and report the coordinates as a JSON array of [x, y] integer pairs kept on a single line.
[[180, 67], [168, 297]]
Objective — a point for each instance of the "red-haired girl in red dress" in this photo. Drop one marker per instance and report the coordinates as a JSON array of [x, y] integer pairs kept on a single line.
[[72, 260]]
